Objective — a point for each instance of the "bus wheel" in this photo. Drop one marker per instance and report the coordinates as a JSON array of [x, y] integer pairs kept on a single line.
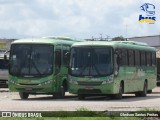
[[81, 96], [149, 91], [144, 92], [23, 95], [119, 95], [60, 94]]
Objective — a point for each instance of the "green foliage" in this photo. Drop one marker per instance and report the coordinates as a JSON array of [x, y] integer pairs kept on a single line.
[[82, 109], [149, 109], [120, 38]]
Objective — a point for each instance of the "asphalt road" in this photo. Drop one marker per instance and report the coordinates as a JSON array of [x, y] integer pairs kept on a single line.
[[10, 101]]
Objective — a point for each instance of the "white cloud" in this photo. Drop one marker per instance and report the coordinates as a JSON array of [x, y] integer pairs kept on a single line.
[[78, 18]]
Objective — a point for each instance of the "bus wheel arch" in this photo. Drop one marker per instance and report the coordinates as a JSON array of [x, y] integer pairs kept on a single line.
[[81, 96], [63, 88], [120, 92], [143, 93], [65, 85], [122, 83], [145, 88]]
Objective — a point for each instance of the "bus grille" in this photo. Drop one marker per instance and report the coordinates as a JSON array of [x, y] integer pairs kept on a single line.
[[89, 83], [34, 89], [29, 84]]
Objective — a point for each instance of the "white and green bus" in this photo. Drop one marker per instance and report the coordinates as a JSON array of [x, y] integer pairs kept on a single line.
[[39, 66], [112, 68]]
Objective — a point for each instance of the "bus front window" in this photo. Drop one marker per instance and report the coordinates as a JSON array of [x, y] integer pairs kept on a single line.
[[91, 61], [31, 60]]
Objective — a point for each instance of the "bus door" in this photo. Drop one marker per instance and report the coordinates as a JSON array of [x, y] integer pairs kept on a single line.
[[123, 67], [131, 71], [58, 64], [65, 62]]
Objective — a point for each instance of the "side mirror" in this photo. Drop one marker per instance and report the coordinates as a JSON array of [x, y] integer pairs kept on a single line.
[[67, 59], [67, 55], [6, 57]]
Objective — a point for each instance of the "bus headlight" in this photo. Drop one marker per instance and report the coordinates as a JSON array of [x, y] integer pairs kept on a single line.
[[12, 81], [104, 82], [73, 82], [46, 83], [109, 80]]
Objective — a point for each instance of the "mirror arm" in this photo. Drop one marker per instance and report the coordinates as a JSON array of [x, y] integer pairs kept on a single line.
[[5, 56]]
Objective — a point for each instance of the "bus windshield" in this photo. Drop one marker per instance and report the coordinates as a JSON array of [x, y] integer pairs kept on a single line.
[[31, 60], [91, 61]]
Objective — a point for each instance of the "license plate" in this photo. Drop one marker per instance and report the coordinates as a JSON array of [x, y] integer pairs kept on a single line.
[[28, 88], [89, 88]]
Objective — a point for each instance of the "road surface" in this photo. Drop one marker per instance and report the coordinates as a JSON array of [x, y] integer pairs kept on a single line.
[[10, 101]]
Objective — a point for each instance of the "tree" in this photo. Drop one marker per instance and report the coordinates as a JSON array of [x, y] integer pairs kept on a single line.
[[120, 38]]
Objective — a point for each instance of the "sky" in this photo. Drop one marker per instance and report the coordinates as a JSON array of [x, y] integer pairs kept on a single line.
[[75, 18]]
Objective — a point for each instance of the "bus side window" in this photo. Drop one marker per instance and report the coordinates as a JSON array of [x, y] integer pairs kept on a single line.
[[137, 58], [131, 57], [143, 58], [57, 60], [124, 57], [119, 57], [149, 60], [153, 59], [3, 64]]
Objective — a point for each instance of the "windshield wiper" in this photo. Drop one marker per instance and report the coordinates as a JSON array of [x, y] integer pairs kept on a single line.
[[83, 69], [90, 67], [97, 70], [36, 75], [35, 67]]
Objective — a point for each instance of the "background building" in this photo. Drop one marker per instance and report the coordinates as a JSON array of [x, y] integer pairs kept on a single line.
[[5, 43], [153, 41]]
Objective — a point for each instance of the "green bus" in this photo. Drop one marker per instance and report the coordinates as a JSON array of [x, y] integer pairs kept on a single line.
[[112, 68], [39, 66]]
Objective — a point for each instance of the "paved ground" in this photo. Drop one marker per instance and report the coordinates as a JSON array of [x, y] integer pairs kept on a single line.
[[10, 101]]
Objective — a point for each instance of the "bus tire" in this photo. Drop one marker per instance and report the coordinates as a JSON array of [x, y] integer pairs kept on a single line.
[[23, 95], [149, 91], [158, 83], [144, 92], [60, 94], [81, 96], [119, 95]]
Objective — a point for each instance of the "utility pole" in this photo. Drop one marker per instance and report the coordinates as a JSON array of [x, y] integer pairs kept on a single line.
[[107, 37], [101, 36]]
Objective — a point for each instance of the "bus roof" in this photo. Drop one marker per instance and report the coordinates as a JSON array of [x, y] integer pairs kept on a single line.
[[116, 44], [47, 40]]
